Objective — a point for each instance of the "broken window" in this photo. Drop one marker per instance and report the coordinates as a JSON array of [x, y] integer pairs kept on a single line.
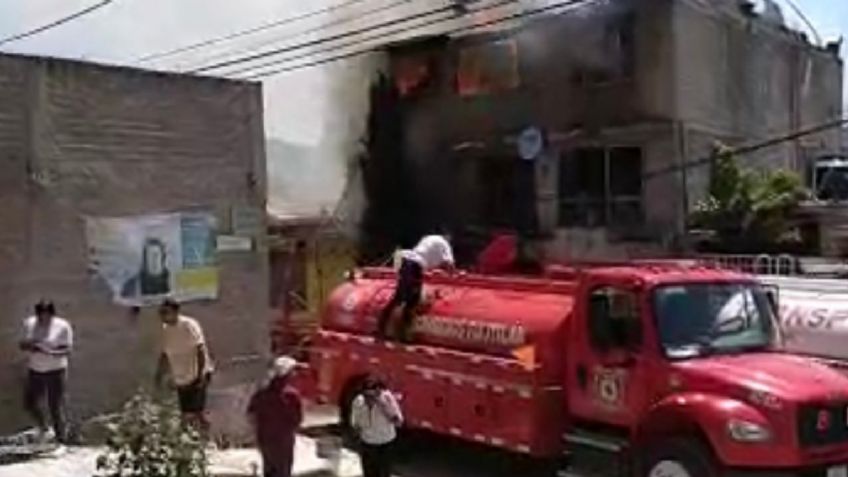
[[415, 66], [414, 74], [487, 68], [601, 187]]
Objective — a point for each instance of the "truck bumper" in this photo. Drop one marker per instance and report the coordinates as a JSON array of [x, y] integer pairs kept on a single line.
[[803, 472]]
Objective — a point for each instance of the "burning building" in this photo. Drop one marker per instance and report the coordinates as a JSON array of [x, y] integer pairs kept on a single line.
[[575, 127]]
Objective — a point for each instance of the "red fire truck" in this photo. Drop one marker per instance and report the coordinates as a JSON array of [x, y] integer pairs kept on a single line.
[[641, 369]]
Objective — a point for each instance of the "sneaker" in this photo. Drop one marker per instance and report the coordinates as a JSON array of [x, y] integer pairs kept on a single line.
[[59, 451], [46, 435]]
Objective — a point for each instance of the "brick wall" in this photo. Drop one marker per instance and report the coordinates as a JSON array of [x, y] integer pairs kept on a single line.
[[79, 139]]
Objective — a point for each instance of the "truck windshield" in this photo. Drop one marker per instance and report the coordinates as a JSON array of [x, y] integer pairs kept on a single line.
[[700, 319]]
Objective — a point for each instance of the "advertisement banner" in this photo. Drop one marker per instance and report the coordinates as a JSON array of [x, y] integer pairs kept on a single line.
[[145, 259]]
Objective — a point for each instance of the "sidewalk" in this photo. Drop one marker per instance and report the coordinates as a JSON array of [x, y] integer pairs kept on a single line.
[[80, 462]]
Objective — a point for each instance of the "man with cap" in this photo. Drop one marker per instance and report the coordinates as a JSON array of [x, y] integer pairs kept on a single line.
[[48, 340], [276, 413]]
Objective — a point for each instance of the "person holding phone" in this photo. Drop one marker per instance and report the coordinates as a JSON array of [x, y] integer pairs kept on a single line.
[[48, 341], [375, 416]]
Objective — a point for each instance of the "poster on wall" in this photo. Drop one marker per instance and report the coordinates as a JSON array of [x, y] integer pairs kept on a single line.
[[147, 258]]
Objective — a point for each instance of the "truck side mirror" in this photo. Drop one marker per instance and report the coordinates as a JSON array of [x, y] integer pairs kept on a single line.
[[773, 296]]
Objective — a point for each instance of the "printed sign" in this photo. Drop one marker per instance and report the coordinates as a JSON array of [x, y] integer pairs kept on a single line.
[[146, 258], [470, 331], [608, 386]]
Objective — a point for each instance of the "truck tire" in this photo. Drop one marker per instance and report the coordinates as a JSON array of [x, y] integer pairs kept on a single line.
[[678, 458]]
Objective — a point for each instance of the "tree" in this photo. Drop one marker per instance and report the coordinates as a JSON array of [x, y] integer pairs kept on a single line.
[[749, 211]]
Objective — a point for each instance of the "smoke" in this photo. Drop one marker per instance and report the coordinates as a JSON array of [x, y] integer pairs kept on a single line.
[[596, 32], [327, 177]]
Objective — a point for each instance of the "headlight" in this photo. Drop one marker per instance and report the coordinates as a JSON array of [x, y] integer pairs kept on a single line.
[[745, 431]]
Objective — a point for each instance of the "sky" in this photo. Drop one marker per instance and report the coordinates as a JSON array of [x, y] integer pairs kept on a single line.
[[299, 107], [296, 105]]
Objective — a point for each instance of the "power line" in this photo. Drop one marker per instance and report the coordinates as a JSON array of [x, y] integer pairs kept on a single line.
[[332, 23], [56, 23], [748, 149], [320, 41], [365, 51], [249, 31], [367, 39]]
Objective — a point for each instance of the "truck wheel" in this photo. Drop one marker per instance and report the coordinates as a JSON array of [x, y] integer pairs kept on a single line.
[[678, 458]]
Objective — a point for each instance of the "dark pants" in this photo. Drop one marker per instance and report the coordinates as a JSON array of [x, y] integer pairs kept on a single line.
[[277, 460], [407, 293], [192, 397], [52, 386], [376, 460]]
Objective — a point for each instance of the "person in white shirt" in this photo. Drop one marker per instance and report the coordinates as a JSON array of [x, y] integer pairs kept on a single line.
[[375, 416], [48, 340], [185, 354], [433, 251]]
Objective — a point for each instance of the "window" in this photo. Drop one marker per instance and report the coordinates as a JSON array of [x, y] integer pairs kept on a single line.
[[415, 74], [487, 68], [720, 318], [617, 43], [601, 187], [614, 321], [508, 194]]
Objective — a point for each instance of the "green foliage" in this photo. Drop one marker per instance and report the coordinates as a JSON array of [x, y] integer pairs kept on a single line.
[[150, 440], [747, 205]]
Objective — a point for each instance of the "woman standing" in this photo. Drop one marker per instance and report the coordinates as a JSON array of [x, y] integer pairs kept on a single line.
[[375, 416], [276, 412]]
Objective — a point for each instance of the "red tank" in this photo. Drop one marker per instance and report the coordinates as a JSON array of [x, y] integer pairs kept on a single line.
[[485, 315]]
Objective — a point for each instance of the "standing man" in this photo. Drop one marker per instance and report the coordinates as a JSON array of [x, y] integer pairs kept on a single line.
[[375, 416], [276, 413], [433, 251], [48, 340], [185, 354]]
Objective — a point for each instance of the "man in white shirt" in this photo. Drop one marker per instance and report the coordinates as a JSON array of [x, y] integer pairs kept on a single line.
[[433, 251], [375, 416], [185, 354], [48, 340]]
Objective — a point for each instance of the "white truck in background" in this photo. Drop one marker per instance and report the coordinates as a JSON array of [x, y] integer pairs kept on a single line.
[[813, 296]]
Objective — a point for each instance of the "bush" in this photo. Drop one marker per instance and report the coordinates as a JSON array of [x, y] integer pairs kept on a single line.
[[749, 210], [150, 440]]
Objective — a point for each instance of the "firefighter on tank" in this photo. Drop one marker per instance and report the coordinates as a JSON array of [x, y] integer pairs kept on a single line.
[[433, 251]]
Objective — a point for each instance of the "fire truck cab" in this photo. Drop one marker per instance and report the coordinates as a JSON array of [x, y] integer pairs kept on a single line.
[[646, 370]]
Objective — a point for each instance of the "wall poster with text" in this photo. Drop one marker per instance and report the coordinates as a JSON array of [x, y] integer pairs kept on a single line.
[[145, 259]]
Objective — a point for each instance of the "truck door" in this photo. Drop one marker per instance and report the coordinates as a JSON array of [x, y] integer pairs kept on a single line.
[[607, 369]]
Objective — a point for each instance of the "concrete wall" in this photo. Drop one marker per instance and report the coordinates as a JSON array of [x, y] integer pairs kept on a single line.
[[743, 79], [78, 140]]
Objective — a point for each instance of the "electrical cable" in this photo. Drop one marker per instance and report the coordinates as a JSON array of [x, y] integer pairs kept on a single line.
[[333, 23], [367, 39], [320, 41], [750, 148], [55, 23], [364, 51], [249, 31]]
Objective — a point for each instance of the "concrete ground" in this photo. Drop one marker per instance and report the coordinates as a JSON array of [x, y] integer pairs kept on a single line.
[[80, 462], [416, 456]]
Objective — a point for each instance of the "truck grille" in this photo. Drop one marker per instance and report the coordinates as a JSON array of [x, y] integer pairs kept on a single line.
[[823, 424]]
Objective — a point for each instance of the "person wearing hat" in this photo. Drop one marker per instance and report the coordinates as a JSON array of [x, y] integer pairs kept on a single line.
[[48, 340], [276, 413]]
